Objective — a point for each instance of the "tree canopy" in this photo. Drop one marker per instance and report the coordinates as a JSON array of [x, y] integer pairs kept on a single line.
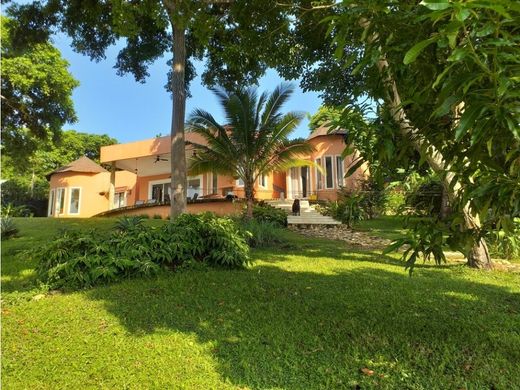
[[445, 74], [36, 91]]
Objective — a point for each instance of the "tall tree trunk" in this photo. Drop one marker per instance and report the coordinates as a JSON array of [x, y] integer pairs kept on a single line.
[[178, 148], [479, 254]]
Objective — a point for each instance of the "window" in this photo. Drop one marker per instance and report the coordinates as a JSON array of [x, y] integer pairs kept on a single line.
[[159, 190], [74, 200], [240, 183], [319, 178], [60, 201], [119, 200], [194, 186], [215, 183], [52, 204], [339, 171], [262, 180], [329, 177]]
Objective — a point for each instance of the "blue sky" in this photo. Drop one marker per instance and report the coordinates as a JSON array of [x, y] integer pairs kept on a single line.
[[129, 111]]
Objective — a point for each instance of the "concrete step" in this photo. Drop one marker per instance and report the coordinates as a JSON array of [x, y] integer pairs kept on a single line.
[[308, 215]]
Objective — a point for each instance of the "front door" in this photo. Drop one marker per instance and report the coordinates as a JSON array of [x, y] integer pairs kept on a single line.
[[305, 181]]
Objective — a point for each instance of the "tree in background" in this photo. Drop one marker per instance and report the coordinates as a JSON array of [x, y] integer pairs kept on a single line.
[[26, 183], [225, 33], [36, 95], [254, 141]]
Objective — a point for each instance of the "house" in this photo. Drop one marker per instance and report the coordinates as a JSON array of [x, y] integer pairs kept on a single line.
[[134, 178]]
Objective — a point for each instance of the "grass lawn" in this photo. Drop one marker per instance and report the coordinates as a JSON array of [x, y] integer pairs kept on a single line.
[[311, 314]]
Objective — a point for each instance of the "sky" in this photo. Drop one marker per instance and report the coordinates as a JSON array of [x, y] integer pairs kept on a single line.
[[127, 110]]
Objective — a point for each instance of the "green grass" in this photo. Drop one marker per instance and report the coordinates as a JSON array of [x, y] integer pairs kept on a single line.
[[308, 315], [389, 227]]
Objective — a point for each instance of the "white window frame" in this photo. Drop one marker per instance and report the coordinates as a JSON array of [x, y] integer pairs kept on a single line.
[[264, 176], [57, 209], [51, 208], [201, 180], [151, 183], [70, 200], [214, 183], [125, 199], [237, 183], [332, 171], [340, 180], [318, 182]]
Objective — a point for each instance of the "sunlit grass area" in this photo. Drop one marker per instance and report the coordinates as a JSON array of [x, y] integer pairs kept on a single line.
[[309, 314]]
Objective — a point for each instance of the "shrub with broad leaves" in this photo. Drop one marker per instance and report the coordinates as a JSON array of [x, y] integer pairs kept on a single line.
[[78, 259]]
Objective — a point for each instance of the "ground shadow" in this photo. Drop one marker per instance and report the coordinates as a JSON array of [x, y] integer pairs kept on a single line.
[[278, 329]]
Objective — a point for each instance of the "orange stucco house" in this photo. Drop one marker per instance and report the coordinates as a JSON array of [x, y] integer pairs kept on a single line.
[[134, 178]]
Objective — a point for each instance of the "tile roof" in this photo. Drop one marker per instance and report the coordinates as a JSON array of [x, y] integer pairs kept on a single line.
[[82, 164], [325, 130]]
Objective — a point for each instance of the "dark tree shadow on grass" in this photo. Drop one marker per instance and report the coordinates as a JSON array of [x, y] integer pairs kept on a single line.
[[302, 330]]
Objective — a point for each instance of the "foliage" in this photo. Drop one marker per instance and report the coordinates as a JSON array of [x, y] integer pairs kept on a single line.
[[264, 212], [260, 233], [36, 90], [506, 245], [75, 259], [425, 199], [394, 201], [129, 223], [9, 210], [9, 228], [325, 116], [347, 209], [253, 142], [426, 240]]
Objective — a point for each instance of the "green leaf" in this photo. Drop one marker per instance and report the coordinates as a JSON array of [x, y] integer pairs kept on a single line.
[[436, 5], [467, 120], [412, 54]]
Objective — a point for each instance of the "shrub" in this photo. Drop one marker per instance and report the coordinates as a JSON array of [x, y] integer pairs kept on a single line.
[[10, 210], [157, 216], [77, 259], [426, 199], [129, 222], [8, 228], [506, 245], [267, 213], [394, 202], [347, 209], [260, 233]]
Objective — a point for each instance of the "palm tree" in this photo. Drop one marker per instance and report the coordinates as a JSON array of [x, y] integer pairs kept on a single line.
[[254, 141]]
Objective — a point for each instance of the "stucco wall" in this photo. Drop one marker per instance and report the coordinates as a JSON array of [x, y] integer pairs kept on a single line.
[[94, 190], [219, 208]]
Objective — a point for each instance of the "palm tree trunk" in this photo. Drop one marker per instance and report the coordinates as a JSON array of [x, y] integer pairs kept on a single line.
[[178, 150], [250, 197]]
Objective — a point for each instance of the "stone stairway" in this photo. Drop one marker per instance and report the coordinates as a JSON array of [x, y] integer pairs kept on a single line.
[[308, 215]]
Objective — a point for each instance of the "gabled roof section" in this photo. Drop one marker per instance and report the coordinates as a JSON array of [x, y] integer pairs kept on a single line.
[[325, 130], [82, 164]]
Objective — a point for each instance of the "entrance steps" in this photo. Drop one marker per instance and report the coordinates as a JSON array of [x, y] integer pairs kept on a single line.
[[308, 214]]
